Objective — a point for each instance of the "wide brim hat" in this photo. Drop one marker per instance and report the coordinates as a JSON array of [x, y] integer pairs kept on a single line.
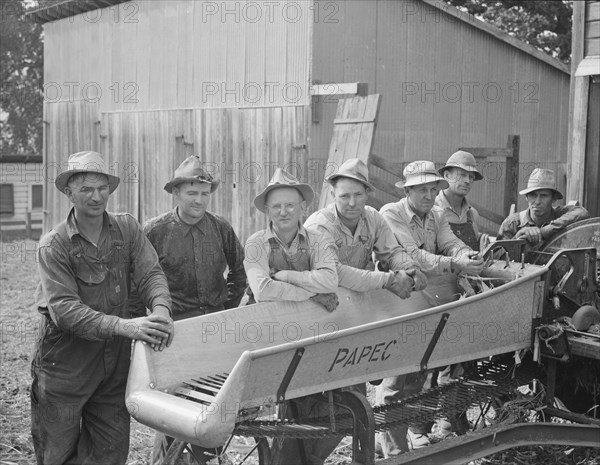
[[86, 162], [191, 170], [353, 168], [421, 172], [282, 178], [542, 179], [463, 160]]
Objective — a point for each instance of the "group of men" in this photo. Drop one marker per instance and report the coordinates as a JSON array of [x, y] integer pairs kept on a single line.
[[106, 281]]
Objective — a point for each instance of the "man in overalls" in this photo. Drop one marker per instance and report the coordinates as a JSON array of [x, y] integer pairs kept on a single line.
[[195, 247], [460, 172], [287, 261], [87, 264], [425, 233], [540, 222], [359, 232]]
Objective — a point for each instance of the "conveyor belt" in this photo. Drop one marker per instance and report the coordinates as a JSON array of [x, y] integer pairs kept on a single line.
[[481, 384]]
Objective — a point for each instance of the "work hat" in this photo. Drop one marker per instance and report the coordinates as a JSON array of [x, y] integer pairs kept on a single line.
[[463, 160], [282, 178], [421, 172], [85, 162], [191, 170], [541, 179], [352, 168]]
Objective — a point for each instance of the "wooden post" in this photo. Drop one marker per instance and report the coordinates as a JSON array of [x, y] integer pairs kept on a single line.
[[28, 224], [511, 186], [578, 107]]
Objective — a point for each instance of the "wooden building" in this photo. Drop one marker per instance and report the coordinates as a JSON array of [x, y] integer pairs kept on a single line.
[[21, 195], [253, 85], [584, 124]]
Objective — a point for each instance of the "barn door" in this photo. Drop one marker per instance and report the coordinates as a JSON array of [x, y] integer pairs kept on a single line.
[[353, 135]]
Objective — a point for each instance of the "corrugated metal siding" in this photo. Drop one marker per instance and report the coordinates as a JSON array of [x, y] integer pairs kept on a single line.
[[591, 34], [445, 84], [177, 54]]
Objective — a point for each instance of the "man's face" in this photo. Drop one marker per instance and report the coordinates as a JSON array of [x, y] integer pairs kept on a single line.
[[540, 202], [284, 208], [421, 197], [350, 198], [89, 194], [192, 199], [459, 180]]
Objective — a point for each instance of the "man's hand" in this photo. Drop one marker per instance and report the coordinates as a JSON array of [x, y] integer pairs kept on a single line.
[[400, 283], [156, 330], [531, 234], [163, 311], [419, 278], [329, 301], [469, 265]]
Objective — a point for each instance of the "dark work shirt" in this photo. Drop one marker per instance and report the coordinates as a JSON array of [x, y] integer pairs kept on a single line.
[[86, 286], [195, 259]]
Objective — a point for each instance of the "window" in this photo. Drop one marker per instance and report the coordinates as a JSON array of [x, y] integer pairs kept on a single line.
[[7, 199], [37, 197]]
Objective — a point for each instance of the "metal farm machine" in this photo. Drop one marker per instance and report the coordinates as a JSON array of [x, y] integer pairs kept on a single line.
[[227, 373]]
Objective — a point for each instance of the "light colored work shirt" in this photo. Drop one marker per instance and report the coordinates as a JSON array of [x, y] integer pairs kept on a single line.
[[312, 247], [372, 235], [430, 242]]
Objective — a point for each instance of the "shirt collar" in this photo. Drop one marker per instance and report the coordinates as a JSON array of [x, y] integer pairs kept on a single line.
[[359, 227], [443, 202], [526, 220], [73, 229], [270, 233], [185, 227]]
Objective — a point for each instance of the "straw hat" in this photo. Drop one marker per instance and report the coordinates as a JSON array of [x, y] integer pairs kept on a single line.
[[463, 160], [541, 179], [421, 172], [191, 170], [352, 168], [86, 162], [282, 178]]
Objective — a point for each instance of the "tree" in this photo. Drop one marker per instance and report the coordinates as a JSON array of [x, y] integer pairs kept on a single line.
[[546, 25], [21, 71]]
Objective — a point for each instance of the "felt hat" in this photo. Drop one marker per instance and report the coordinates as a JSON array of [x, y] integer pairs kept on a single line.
[[191, 170], [85, 162], [463, 160], [541, 179], [282, 178], [421, 172], [352, 168]]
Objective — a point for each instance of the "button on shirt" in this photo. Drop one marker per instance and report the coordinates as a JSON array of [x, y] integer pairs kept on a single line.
[[86, 286], [321, 278], [372, 235], [194, 259], [430, 242]]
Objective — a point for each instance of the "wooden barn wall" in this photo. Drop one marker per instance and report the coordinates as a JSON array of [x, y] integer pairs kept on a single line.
[[445, 84], [591, 41], [176, 54], [242, 147], [71, 127]]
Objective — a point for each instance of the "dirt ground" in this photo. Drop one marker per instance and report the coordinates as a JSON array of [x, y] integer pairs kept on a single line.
[[19, 324]]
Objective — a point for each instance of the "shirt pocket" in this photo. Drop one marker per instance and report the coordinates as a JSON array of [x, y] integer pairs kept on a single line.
[[91, 274]]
